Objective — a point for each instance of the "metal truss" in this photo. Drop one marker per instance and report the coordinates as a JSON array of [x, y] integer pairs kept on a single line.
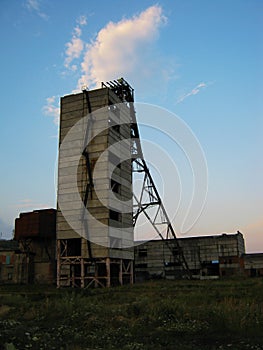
[[150, 204], [148, 201]]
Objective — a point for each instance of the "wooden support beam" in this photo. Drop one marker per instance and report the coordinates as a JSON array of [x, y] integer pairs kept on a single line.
[[131, 272], [108, 272], [82, 282], [58, 264], [120, 273]]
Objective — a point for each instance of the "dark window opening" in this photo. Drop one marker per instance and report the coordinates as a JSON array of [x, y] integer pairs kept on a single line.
[[142, 253], [115, 215], [114, 126], [73, 247], [10, 276], [115, 186]]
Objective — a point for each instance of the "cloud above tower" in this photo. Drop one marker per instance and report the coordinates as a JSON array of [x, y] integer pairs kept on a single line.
[[75, 46], [119, 48]]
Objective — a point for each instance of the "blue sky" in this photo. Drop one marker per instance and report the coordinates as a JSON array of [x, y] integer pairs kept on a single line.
[[201, 60]]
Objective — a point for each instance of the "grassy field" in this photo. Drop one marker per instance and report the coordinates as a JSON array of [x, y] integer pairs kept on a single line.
[[203, 315]]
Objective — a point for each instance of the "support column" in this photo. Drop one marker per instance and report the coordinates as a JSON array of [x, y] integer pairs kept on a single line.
[[131, 272], [72, 275], [82, 273], [96, 274], [108, 272], [58, 264], [120, 273]]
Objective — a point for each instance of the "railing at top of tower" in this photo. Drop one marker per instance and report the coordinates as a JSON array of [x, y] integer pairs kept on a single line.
[[121, 88]]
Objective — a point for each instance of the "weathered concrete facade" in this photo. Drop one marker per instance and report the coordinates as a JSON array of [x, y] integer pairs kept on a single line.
[[26, 261], [93, 237], [253, 264], [206, 256], [13, 263]]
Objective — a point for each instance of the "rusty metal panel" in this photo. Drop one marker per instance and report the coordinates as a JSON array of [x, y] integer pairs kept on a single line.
[[39, 223]]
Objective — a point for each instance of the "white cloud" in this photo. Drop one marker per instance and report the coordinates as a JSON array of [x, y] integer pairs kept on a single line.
[[34, 6], [52, 109], [194, 91], [74, 49], [82, 20], [77, 31], [75, 45], [119, 48]]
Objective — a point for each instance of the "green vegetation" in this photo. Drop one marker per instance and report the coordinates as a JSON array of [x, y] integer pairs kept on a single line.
[[154, 315]]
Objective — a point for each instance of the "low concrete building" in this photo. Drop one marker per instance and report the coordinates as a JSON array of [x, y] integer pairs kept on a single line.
[[31, 257], [206, 256], [253, 264], [13, 263]]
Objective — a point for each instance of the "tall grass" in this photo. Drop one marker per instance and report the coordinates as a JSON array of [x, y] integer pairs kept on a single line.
[[154, 315]]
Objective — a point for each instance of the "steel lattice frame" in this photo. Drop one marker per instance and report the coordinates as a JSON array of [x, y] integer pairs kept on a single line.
[[149, 197]]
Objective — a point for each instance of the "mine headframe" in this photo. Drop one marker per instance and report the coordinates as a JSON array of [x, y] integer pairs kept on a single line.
[[148, 201]]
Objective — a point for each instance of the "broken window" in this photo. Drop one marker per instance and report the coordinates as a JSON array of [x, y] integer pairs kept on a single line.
[[116, 128], [115, 215], [73, 247], [115, 186]]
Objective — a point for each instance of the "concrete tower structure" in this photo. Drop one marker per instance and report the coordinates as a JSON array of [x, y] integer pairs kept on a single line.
[[94, 214]]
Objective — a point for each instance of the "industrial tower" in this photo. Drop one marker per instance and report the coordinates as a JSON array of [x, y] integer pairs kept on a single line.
[[97, 210]]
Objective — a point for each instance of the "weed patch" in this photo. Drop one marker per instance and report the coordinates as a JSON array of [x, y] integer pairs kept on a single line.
[[153, 316]]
